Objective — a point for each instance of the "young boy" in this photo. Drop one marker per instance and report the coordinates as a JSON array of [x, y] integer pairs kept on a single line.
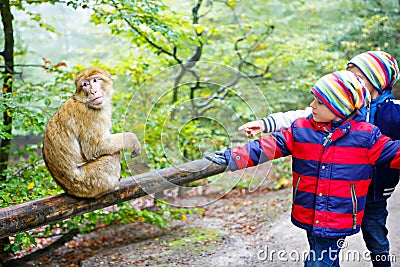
[[379, 70], [333, 154]]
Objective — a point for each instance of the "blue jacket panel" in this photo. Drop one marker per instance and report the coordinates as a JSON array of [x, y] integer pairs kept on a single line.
[[387, 118]]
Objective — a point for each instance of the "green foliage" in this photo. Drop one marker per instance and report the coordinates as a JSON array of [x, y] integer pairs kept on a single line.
[[121, 213], [195, 236], [36, 98], [373, 27], [168, 141], [282, 169], [21, 240], [143, 21], [26, 178], [192, 135], [175, 213], [24, 4]]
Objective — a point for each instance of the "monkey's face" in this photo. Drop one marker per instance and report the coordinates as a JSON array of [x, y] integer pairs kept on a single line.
[[94, 88]]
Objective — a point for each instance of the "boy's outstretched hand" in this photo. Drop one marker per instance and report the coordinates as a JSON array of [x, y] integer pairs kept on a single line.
[[253, 128], [216, 157]]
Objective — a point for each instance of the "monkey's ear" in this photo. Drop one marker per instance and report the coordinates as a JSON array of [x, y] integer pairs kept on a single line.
[[78, 80], [78, 84]]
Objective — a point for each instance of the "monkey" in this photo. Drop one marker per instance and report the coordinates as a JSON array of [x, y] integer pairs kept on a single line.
[[79, 150]]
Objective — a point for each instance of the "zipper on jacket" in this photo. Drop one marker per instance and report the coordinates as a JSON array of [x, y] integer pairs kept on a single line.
[[295, 189], [327, 139], [354, 201]]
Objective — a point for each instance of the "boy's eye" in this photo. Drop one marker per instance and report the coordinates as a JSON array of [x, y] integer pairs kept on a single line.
[[319, 102]]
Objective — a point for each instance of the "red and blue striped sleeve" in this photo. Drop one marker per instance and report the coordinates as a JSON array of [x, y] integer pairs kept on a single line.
[[259, 151], [384, 151]]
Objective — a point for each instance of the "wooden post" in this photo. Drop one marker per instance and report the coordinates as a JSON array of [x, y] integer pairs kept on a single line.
[[29, 215]]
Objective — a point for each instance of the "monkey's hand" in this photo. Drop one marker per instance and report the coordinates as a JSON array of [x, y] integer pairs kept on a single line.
[[134, 153], [131, 141]]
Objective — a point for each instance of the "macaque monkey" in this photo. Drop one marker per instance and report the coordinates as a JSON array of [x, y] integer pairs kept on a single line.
[[78, 149]]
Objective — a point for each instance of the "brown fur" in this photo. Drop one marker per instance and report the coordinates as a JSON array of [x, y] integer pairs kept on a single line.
[[79, 151]]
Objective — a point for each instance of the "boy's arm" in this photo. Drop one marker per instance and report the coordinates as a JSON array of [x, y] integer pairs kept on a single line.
[[384, 151], [256, 152], [274, 122]]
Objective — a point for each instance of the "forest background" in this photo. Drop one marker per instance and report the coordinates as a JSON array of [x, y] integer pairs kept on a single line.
[[186, 75]]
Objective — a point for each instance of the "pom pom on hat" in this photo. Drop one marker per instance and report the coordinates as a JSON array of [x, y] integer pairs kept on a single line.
[[342, 92], [379, 67]]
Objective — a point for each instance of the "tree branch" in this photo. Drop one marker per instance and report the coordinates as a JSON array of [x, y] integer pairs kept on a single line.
[[29, 215], [133, 27], [192, 60], [221, 92], [24, 65]]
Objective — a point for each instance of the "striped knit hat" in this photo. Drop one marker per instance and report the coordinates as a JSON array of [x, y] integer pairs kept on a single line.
[[379, 67], [342, 92]]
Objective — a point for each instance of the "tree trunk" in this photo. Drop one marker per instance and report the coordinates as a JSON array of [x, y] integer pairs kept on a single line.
[[8, 55]]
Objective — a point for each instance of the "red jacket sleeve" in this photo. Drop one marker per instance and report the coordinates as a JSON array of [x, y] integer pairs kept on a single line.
[[261, 150]]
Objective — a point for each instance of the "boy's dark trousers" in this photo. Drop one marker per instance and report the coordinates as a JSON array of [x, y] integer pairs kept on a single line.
[[375, 232], [324, 252]]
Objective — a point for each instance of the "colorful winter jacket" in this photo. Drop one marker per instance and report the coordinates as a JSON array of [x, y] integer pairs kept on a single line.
[[332, 169], [383, 112]]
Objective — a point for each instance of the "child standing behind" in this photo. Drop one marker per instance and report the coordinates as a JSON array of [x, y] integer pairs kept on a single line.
[[333, 153]]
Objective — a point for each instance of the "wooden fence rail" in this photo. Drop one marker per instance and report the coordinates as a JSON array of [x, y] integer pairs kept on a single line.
[[29, 215]]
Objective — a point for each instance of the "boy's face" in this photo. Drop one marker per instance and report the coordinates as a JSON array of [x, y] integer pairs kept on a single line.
[[374, 93], [322, 113]]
